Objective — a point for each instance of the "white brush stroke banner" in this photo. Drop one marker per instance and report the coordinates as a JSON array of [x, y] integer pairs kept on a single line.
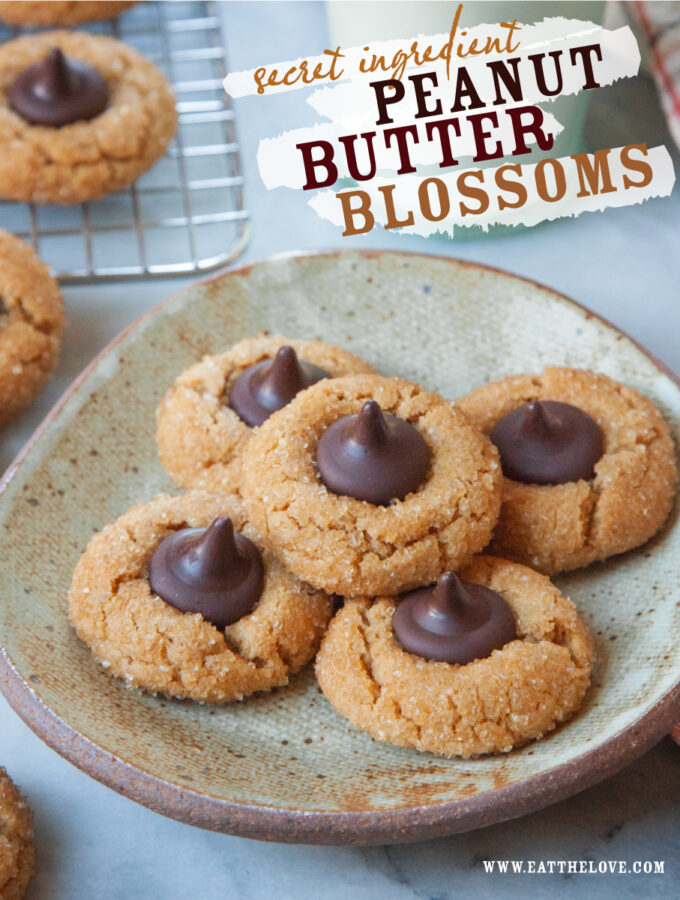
[[350, 106], [534, 210], [620, 57], [280, 163]]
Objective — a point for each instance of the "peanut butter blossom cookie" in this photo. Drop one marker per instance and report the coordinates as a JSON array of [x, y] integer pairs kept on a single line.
[[589, 466], [207, 416], [81, 115], [17, 851], [471, 665], [31, 323], [179, 597], [60, 12], [368, 485]]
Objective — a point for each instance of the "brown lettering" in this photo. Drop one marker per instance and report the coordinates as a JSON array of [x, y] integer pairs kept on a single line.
[[515, 187], [387, 190], [350, 213], [442, 199], [636, 165], [591, 172], [541, 184], [472, 193]]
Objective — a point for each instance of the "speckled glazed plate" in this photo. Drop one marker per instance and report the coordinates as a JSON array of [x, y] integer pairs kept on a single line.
[[284, 766]]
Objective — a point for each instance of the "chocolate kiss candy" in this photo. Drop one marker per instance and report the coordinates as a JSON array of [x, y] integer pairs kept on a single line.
[[547, 442], [372, 456], [57, 91], [271, 384], [212, 571], [453, 622]]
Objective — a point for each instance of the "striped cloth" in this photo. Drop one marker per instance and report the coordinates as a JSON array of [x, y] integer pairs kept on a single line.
[[659, 22]]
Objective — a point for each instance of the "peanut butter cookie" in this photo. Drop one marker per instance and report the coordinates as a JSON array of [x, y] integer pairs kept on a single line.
[[31, 323], [200, 437], [93, 152], [17, 851], [558, 527], [518, 693], [60, 12], [151, 644], [353, 546]]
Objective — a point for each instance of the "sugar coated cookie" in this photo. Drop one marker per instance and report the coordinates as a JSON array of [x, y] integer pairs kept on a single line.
[[56, 146], [17, 851], [60, 12], [519, 692], [31, 323], [356, 547], [168, 646], [620, 505], [200, 436]]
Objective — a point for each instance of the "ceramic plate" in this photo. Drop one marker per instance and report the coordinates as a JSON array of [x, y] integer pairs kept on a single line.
[[284, 766]]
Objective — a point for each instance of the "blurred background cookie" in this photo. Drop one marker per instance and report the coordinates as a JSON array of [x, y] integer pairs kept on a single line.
[[81, 115], [60, 12], [31, 324], [17, 851]]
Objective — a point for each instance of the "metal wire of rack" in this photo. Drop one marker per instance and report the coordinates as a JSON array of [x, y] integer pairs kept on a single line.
[[186, 214]]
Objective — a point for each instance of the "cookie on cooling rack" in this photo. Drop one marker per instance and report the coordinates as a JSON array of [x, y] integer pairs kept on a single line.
[[60, 12], [81, 115]]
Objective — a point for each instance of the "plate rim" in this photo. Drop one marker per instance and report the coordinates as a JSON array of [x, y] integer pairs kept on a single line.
[[269, 823]]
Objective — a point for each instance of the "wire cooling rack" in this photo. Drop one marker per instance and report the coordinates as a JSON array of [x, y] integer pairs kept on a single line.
[[187, 214]]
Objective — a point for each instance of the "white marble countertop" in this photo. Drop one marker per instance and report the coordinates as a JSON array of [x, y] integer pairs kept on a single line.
[[625, 265]]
